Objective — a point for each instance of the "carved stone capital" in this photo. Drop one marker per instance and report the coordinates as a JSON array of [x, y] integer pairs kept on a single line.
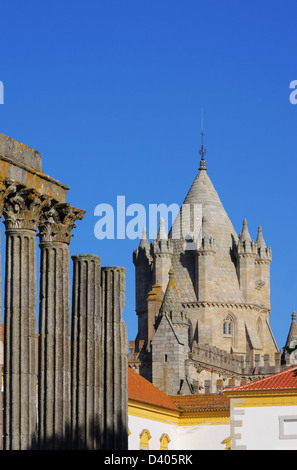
[[57, 222], [20, 206], [6, 187]]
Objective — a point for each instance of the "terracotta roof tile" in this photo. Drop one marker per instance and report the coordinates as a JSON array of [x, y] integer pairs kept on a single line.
[[142, 390], [285, 380], [201, 402]]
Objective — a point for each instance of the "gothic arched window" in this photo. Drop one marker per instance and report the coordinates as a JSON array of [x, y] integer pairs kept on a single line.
[[228, 325]]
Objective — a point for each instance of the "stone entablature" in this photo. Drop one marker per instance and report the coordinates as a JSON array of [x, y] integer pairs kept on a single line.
[[23, 164]]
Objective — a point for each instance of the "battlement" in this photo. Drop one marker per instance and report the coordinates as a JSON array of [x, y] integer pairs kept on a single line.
[[162, 247], [211, 356]]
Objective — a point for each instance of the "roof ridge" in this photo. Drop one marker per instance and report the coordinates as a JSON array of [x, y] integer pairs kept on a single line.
[[262, 380]]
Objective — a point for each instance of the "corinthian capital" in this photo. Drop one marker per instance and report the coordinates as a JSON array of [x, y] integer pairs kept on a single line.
[[21, 206], [57, 222], [6, 187]]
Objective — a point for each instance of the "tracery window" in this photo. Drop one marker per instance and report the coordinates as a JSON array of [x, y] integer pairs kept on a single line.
[[228, 325]]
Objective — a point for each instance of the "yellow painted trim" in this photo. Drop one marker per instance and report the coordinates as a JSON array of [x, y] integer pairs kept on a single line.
[[164, 441], [227, 442], [257, 398], [145, 437], [152, 412], [180, 418]]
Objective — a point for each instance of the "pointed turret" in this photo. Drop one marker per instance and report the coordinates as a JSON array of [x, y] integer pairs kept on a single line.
[[291, 341], [171, 301], [162, 235], [170, 343], [263, 251], [154, 302], [142, 253], [260, 242], [204, 265], [246, 255], [262, 273], [292, 336], [144, 241], [162, 254], [142, 260], [245, 243]]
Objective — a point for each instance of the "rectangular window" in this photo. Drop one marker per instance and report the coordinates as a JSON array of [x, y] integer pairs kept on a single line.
[[288, 427]]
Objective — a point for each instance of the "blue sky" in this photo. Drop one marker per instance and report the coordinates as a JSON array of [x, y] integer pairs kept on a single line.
[[110, 92]]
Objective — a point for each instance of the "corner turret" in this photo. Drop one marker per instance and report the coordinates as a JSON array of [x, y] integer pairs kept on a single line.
[[142, 260], [204, 264], [290, 343], [170, 344], [246, 255], [262, 270], [162, 252]]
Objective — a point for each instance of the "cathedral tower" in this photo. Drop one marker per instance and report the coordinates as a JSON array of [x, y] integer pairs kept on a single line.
[[220, 320]]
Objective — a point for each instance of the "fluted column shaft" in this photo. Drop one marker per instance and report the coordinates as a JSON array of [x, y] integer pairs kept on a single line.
[[86, 340], [54, 375], [114, 359], [21, 212]]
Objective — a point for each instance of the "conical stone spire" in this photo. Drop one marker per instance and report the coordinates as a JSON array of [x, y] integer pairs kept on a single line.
[[246, 244], [202, 200], [260, 240], [290, 343], [162, 235], [245, 236], [144, 243], [171, 301], [263, 251], [292, 336]]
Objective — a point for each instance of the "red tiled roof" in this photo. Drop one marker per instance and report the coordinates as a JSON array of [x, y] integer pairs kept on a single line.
[[201, 402], [285, 380], [142, 390]]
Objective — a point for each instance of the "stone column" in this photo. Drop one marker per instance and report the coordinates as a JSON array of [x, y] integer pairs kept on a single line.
[[2, 199], [21, 212], [87, 365], [114, 360], [54, 419]]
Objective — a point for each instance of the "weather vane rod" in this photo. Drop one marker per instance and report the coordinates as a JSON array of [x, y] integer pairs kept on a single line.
[[202, 151]]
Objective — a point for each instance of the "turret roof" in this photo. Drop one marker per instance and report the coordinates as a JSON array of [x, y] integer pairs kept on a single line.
[[202, 200], [292, 335], [171, 300]]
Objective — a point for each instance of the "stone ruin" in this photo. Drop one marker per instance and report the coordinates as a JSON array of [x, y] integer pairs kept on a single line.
[[64, 387]]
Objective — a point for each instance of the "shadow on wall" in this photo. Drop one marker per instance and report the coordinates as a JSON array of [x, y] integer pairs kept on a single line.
[[93, 438]]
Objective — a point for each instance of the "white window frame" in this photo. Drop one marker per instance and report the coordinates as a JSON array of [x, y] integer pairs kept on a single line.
[[282, 420]]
